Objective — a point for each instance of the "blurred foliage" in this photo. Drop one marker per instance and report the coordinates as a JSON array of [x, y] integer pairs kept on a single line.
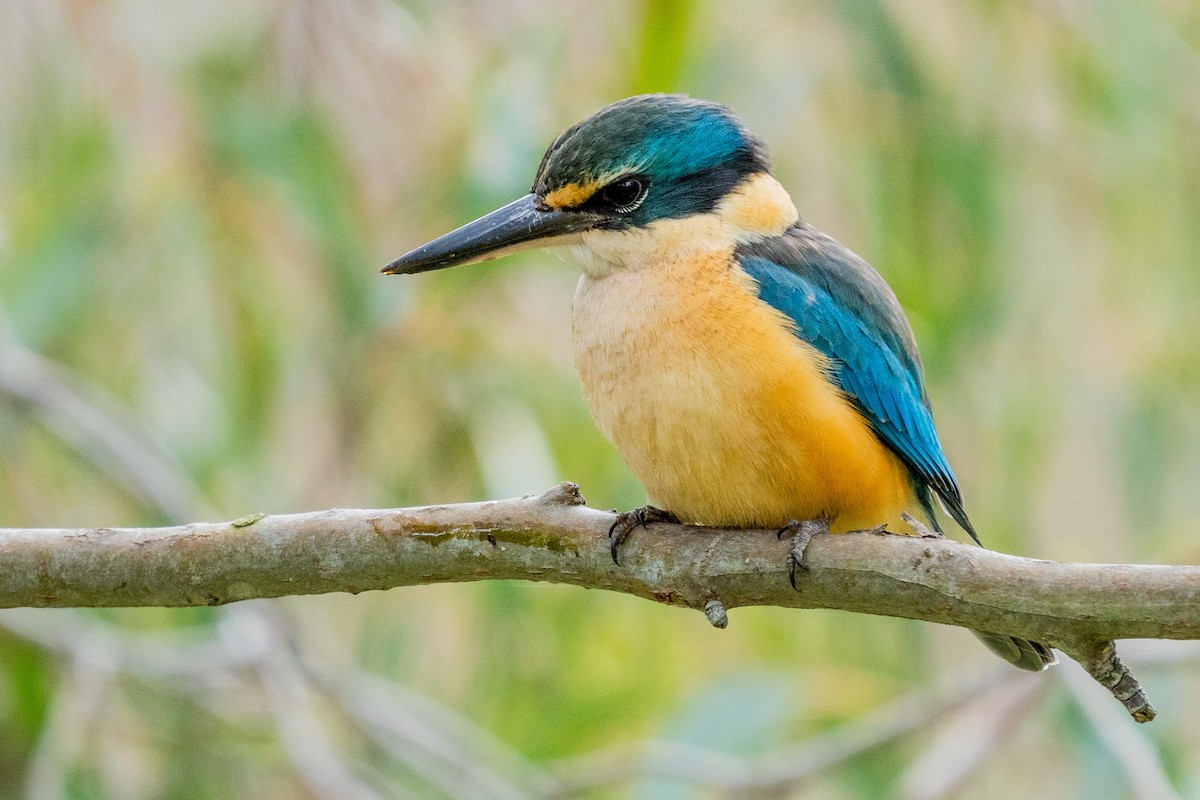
[[194, 202]]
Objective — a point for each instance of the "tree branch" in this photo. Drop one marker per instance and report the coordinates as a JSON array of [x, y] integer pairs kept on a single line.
[[1078, 608]]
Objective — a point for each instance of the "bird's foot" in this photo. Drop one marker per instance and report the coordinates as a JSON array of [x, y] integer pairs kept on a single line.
[[801, 533], [626, 521]]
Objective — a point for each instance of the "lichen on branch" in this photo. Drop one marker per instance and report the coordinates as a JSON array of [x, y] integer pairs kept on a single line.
[[1078, 608]]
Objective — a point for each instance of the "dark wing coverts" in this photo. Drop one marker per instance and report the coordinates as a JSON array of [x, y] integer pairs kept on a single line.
[[845, 310]]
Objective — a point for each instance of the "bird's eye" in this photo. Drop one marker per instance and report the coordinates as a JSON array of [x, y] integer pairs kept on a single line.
[[624, 195]]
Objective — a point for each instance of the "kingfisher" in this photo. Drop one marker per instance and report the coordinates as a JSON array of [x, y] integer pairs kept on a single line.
[[751, 371]]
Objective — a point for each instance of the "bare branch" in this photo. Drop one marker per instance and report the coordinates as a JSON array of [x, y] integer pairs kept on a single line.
[[1076, 607], [1101, 661]]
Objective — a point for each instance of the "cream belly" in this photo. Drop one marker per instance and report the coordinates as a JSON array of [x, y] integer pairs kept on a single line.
[[722, 413]]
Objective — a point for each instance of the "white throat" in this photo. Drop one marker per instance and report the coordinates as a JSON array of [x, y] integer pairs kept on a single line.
[[757, 209]]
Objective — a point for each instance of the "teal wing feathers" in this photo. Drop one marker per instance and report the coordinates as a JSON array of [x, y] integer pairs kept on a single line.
[[845, 310]]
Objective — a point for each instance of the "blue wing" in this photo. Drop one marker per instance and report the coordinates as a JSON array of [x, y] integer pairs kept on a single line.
[[846, 311]]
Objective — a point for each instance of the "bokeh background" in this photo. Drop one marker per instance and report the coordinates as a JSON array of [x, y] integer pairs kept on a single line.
[[195, 200]]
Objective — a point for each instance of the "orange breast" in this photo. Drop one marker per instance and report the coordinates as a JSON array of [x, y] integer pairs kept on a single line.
[[726, 416]]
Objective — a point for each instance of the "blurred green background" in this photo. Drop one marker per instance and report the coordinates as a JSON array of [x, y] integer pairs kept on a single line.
[[195, 200]]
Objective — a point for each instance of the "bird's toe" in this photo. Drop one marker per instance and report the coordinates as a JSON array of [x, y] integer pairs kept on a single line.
[[801, 533], [626, 521]]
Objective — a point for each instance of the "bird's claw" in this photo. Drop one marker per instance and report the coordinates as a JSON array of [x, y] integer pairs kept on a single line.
[[626, 521], [801, 533]]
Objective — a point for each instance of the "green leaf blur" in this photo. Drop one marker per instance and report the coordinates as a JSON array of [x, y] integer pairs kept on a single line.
[[195, 201]]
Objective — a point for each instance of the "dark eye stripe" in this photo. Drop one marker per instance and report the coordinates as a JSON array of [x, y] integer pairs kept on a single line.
[[623, 195]]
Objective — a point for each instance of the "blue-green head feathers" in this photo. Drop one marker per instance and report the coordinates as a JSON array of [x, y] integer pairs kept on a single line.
[[650, 157]]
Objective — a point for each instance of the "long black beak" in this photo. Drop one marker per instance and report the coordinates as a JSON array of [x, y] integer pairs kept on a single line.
[[517, 226]]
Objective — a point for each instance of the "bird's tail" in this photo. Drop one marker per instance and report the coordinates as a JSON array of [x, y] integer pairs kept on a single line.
[[1021, 653]]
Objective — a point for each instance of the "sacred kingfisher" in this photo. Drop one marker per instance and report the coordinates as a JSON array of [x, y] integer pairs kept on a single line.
[[750, 370]]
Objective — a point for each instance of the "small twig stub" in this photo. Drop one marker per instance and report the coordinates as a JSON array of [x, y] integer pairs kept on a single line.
[[554, 537]]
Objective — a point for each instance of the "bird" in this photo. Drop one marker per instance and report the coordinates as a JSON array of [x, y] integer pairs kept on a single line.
[[750, 370]]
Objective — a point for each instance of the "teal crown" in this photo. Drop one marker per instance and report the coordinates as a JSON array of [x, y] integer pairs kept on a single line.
[[685, 155]]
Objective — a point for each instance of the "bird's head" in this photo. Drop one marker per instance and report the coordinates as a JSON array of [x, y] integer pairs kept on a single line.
[[609, 183]]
